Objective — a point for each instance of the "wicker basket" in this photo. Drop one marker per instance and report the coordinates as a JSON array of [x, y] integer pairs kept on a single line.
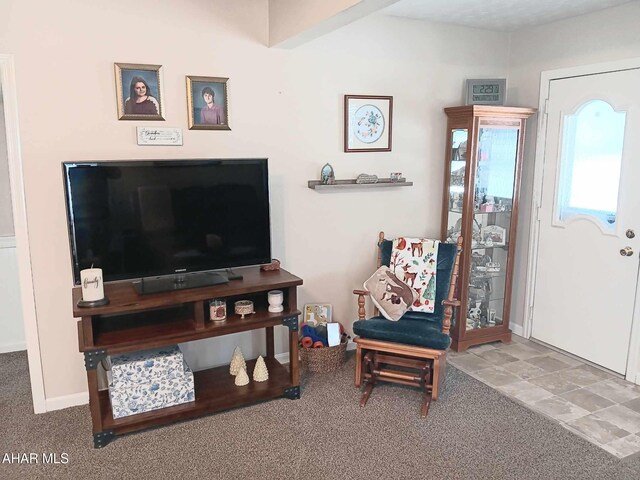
[[323, 360]]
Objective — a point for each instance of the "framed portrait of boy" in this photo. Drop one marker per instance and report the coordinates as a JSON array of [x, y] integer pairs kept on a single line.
[[207, 103], [138, 91]]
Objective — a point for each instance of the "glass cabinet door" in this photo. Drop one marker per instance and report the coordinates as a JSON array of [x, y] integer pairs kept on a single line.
[[493, 195], [458, 167]]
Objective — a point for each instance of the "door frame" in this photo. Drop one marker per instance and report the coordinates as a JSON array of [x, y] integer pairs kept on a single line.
[[633, 359], [23, 252]]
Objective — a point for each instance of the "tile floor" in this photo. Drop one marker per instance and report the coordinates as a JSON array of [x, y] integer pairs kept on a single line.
[[597, 405]]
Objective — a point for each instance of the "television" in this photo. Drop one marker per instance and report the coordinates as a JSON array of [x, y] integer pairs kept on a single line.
[[167, 224]]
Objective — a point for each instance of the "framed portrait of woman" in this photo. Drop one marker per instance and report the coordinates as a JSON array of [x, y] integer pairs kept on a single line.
[[138, 91], [208, 103]]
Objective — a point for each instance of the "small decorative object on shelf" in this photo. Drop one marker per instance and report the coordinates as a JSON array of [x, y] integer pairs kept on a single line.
[[242, 378], [492, 317], [493, 235], [327, 176], [237, 362], [366, 178], [217, 310], [275, 298], [315, 313], [260, 372], [270, 267], [244, 307], [395, 176], [92, 288]]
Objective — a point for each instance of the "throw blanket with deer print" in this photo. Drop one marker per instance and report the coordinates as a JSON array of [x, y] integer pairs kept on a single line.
[[415, 261]]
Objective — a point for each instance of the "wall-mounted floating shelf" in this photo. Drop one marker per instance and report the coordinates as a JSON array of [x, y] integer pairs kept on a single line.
[[351, 184]]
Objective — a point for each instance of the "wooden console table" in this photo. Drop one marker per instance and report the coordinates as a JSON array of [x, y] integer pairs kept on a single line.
[[132, 322]]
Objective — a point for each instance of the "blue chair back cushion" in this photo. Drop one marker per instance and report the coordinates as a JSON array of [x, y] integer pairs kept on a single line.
[[415, 328]]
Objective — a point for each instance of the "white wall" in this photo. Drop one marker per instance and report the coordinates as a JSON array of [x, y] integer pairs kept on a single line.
[[6, 217], [604, 36], [11, 326], [285, 105]]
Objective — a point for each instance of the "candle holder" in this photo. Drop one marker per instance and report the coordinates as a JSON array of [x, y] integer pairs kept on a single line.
[[217, 310], [275, 297], [243, 307], [92, 288], [92, 303]]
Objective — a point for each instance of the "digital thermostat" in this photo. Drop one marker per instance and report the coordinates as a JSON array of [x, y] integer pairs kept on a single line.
[[486, 91]]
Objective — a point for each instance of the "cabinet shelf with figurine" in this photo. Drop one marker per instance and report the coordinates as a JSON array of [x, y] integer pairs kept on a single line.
[[481, 190]]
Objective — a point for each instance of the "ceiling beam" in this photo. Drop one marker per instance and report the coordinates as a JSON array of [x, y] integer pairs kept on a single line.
[[294, 22]]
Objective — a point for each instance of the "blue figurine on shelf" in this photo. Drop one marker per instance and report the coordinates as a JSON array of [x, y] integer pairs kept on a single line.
[[327, 176]]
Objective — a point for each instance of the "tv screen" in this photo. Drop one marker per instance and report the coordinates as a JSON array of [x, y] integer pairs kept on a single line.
[[139, 219]]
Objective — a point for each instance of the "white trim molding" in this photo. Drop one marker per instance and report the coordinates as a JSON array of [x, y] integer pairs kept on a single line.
[[12, 347], [66, 401], [23, 252], [7, 241], [633, 360]]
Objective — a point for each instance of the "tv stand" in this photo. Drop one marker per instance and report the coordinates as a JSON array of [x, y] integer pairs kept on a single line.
[[146, 286], [133, 322]]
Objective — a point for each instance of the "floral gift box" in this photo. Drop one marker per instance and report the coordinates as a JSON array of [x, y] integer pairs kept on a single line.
[[149, 380]]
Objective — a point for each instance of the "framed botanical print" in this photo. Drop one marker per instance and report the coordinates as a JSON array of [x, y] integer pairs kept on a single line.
[[208, 103], [138, 91], [367, 123]]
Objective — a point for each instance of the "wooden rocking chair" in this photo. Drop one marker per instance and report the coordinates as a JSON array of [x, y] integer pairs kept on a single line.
[[413, 350]]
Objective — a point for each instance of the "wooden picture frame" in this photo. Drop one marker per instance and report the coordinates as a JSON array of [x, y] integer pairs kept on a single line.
[[493, 235], [139, 91], [208, 103], [315, 313], [368, 121]]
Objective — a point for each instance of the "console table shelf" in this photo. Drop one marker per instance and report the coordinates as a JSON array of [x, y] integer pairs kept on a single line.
[[133, 322], [215, 391]]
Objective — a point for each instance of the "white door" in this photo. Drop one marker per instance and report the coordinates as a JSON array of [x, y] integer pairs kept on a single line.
[[585, 287]]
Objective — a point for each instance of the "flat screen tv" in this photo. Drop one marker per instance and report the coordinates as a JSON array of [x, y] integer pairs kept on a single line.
[[167, 224]]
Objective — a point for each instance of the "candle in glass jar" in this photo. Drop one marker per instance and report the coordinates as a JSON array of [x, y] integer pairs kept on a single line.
[[92, 286]]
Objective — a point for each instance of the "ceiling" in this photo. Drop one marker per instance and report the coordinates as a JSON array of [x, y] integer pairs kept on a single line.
[[501, 15]]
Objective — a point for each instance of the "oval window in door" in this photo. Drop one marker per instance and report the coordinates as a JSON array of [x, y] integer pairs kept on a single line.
[[590, 159]]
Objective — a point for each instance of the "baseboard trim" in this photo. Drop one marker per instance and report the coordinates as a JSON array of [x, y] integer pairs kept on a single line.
[[13, 347], [7, 241], [517, 329], [58, 403], [284, 357]]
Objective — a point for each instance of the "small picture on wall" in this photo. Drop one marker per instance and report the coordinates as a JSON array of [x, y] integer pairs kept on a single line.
[[138, 91], [367, 123], [207, 102]]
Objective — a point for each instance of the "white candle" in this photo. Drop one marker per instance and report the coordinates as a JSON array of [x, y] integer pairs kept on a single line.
[[92, 287]]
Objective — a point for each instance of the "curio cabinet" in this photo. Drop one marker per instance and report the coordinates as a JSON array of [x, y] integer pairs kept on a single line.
[[481, 189]]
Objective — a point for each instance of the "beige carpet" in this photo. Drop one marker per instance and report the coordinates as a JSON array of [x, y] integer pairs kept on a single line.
[[472, 432]]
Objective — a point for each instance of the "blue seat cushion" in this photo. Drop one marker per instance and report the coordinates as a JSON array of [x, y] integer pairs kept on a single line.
[[406, 330]]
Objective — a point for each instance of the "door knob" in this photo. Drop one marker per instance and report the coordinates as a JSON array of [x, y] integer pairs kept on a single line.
[[626, 251], [630, 233]]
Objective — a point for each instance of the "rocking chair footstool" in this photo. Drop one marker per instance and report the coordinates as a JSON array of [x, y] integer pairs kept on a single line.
[[413, 350]]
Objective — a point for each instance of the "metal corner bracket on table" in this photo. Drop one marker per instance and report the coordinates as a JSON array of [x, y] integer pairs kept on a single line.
[[93, 358], [291, 322], [292, 393], [102, 439]]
